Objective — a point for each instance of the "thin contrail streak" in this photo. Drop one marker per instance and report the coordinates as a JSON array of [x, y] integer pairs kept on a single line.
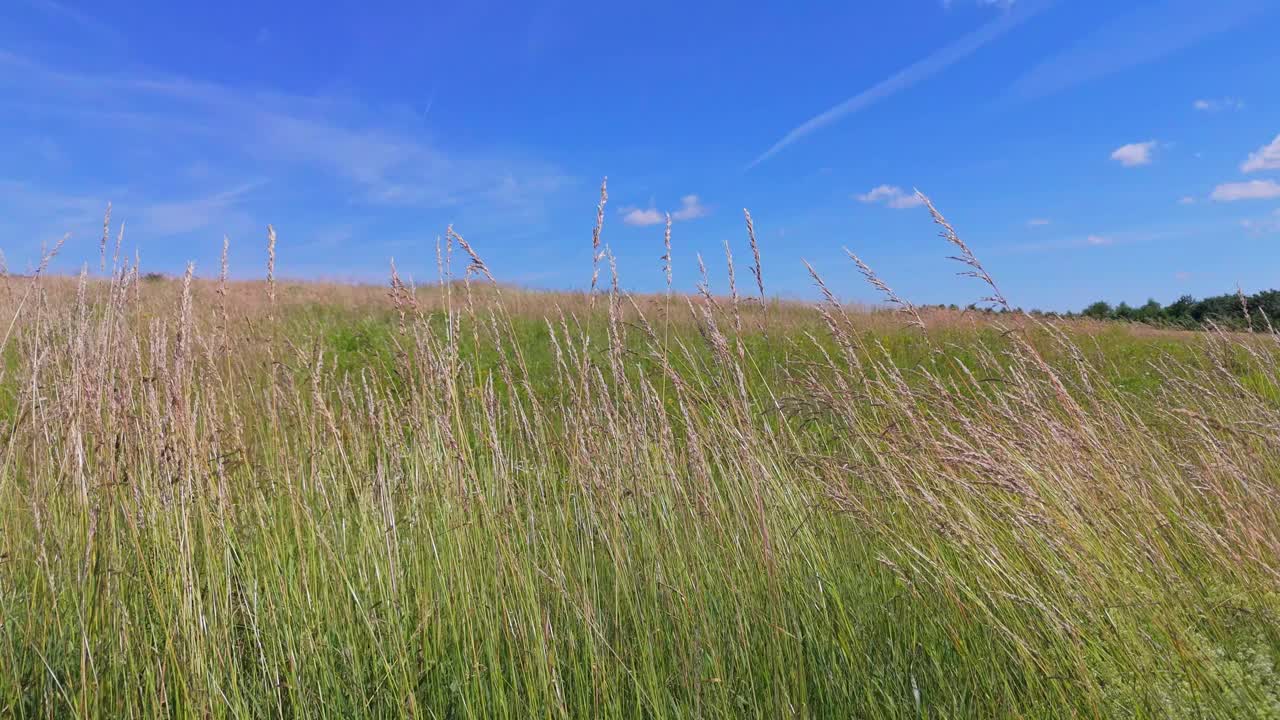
[[1147, 34], [913, 74]]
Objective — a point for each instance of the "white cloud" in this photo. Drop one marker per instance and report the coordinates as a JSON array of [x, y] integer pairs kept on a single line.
[[1218, 104], [1134, 154], [1186, 200], [892, 196], [641, 217], [1266, 158], [1097, 240], [1182, 276], [1252, 190], [1038, 222], [690, 209]]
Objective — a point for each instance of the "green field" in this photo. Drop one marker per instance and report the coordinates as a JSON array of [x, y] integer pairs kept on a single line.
[[468, 500]]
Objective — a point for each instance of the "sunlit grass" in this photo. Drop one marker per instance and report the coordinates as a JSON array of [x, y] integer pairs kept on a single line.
[[468, 502]]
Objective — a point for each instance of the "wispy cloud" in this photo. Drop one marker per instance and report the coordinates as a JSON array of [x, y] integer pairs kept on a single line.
[[1251, 190], [691, 208], [1186, 200], [1266, 158], [57, 211], [891, 196], [1134, 154], [1121, 237], [1038, 222], [1218, 104], [1269, 225], [912, 74], [1146, 34], [33, 213], [178, 218], [329, 237], [75, 18], [1071, 242], [382, 154], [641, 217]]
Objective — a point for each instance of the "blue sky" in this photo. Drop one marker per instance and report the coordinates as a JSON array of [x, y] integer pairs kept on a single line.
[[1118, 150]]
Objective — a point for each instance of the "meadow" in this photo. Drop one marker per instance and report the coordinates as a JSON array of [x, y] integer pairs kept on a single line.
[[296, 499]]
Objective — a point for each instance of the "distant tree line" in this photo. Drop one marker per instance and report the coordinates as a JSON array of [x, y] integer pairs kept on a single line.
[[1232, 310]]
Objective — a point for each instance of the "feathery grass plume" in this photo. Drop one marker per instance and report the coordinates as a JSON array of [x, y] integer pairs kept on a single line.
[[596, 255], [186, 331], [617, 339], [137, 286], [666, 306], [966, 256], [115, 256], [704, 283], [757, 269], [271, 266], [46, 256], [476, 266], [396, 293], [82, 296], [106, 234], [976, 270], [733, 298], [1244, 307], [666, 256], [405, 295], [707, 310], [439, 262], [117, 288], [453, 317], [888, 292], [222, 288], [733, 277], [274, 328], [840, 328]]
